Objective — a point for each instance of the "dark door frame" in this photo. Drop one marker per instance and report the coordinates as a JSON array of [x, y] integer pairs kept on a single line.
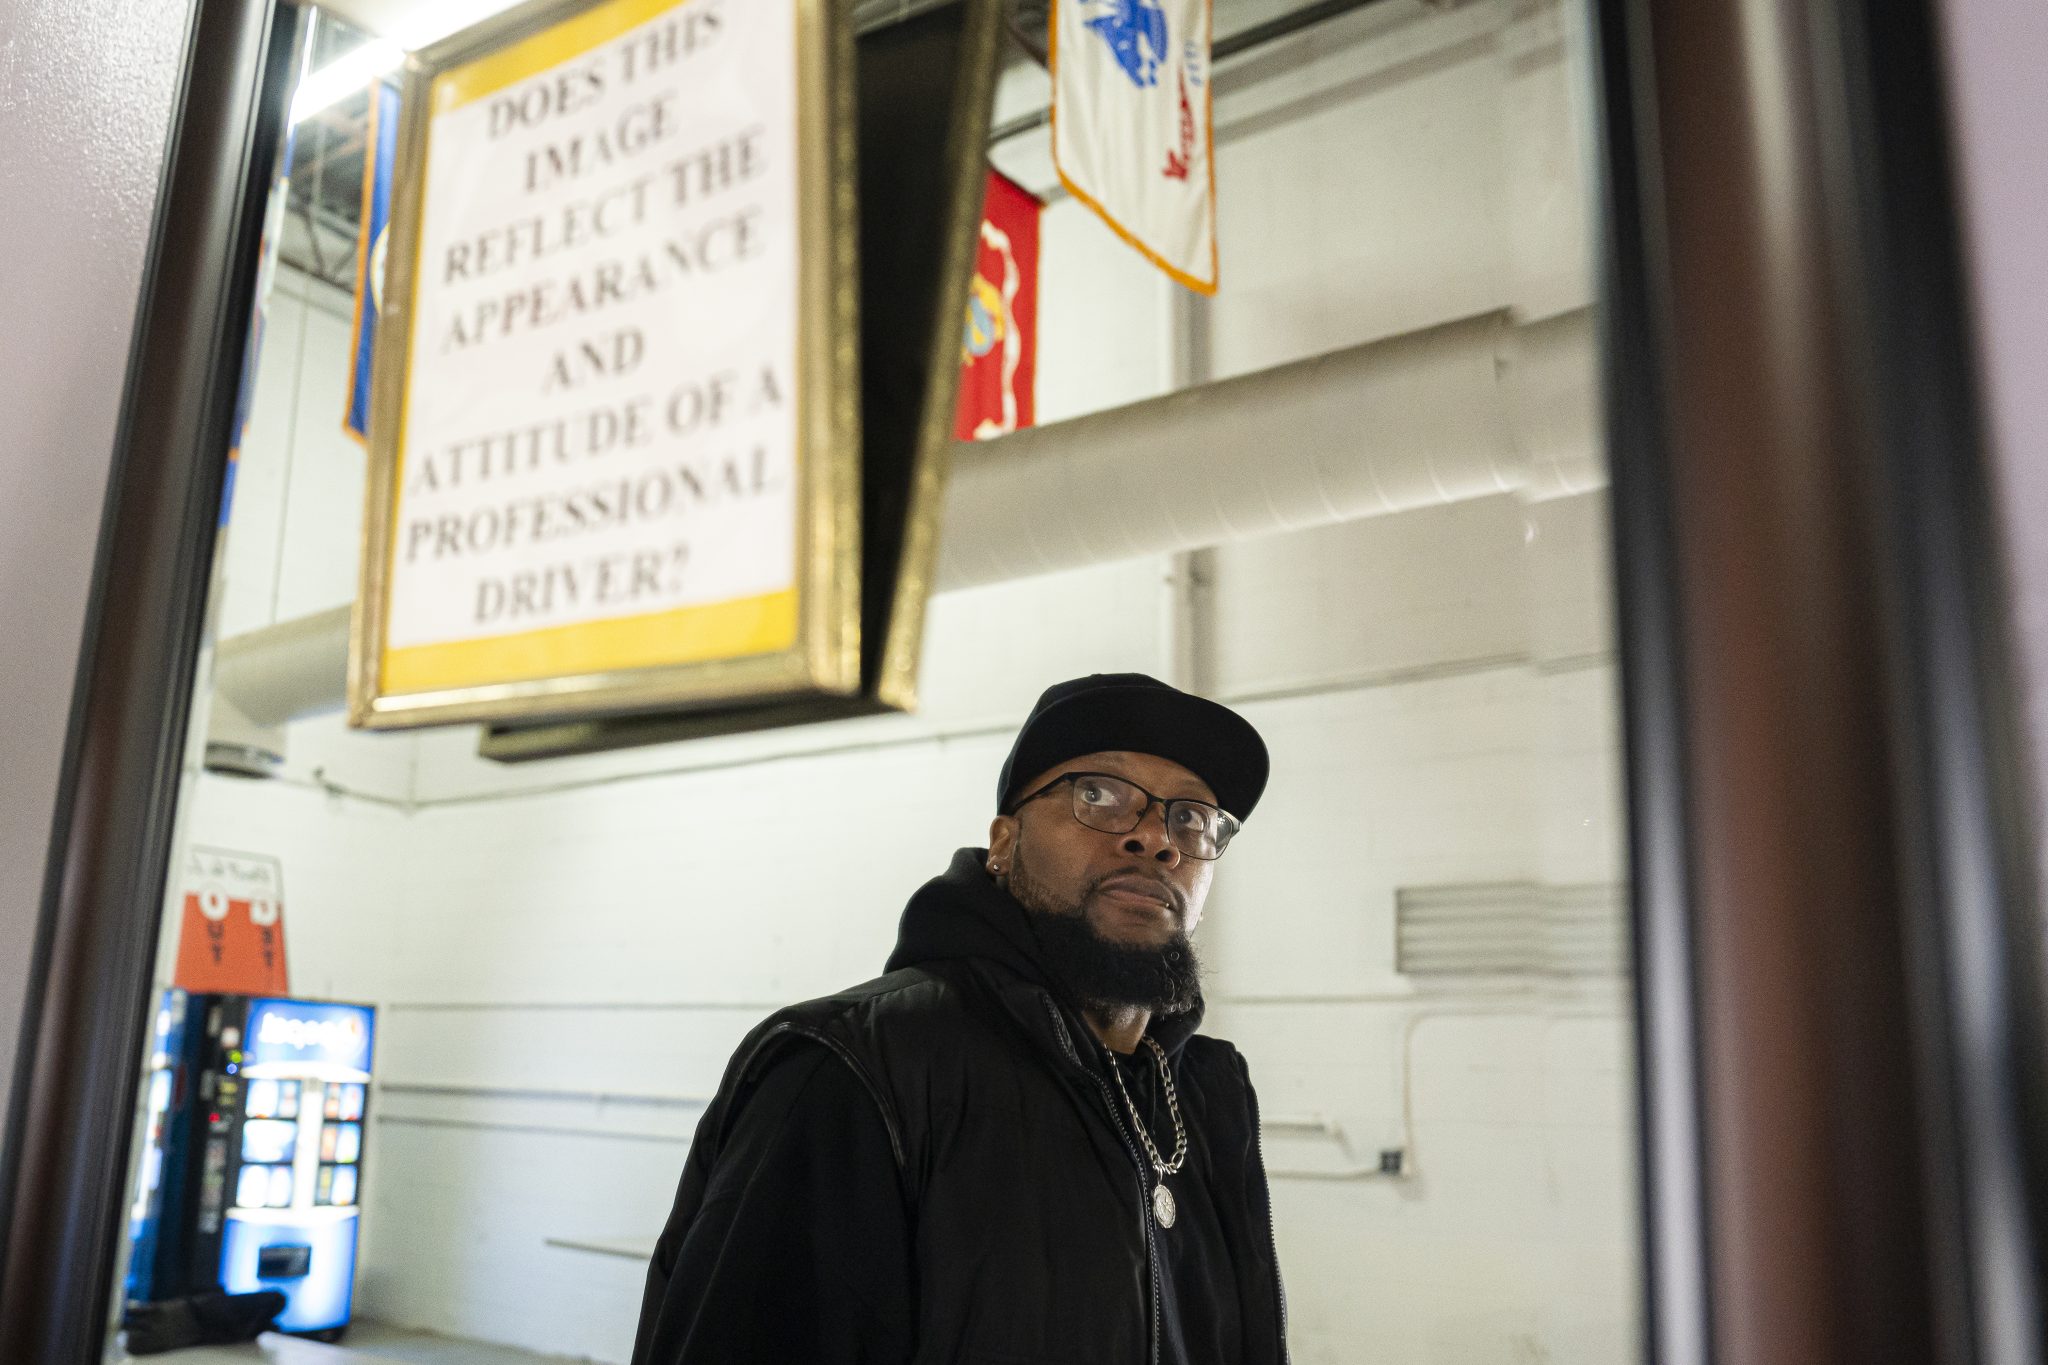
[[1838, 934], [63, 1188]]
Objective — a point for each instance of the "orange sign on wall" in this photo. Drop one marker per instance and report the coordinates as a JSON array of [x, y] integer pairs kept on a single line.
[[231, 934], [999, 351]]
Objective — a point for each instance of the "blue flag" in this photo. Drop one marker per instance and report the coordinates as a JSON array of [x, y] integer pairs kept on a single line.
[[383, 151]]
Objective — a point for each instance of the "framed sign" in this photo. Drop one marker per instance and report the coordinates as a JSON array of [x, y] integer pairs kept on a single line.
[[924, 87], [615, 445]]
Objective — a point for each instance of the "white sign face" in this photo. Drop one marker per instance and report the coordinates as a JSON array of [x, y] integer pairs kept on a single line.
[[598, 453]]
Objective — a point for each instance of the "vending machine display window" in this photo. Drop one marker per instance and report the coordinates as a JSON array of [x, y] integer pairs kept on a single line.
[[269, 1098], [267, 1140], [252, 1189], [252, 1179]]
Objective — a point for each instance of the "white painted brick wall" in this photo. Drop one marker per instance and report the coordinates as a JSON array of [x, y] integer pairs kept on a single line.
[[291, 546], [564, 955]]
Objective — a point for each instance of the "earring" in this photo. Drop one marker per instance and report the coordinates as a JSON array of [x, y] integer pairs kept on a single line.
[[994, 871]]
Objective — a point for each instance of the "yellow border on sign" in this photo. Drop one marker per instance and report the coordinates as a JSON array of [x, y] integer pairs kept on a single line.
[[717, 630], [797, 644], [549, 48]]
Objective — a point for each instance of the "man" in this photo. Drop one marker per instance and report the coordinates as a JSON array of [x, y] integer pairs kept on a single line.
[[1013, 1147]]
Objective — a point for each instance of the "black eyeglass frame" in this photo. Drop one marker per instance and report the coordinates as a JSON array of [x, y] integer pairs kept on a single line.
[[1166, 804]]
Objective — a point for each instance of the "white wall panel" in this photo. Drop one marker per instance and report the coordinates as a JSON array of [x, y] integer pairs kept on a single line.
[[1373, 789], [614, 1047], [1576, 781], [1102, 318], [1569, 574], [324, 500], [340, 859], [1548, 144], [456, 1226], [324, 751], [1365, 198], [1376, 598], [263, 472], [296, 520]]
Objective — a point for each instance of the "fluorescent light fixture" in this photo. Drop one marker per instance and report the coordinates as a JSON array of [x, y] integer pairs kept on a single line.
[[345, 75]]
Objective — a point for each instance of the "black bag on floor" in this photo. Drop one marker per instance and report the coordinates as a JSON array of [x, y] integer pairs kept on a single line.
[[214, 1319]]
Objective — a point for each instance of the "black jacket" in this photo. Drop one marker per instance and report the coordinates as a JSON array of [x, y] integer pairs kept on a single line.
[[1012, 1218]]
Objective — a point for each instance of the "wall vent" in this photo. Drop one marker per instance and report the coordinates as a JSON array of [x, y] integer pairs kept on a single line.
[[1522, 929]]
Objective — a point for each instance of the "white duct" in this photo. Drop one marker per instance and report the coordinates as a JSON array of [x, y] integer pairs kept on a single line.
[[263, 679], [1464, 410], [1460, 411], [264, 672]]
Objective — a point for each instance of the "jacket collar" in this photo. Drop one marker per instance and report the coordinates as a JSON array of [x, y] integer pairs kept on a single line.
[[963, 914]]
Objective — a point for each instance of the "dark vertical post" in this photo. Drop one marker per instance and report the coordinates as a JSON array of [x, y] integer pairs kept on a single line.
[[1676, 1320], [83, 1031], [1823, 805], [1977, 947], [1809, 1103]]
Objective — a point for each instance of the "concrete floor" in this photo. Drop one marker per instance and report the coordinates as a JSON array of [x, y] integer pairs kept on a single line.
[[368, 1343], [424, 1348]]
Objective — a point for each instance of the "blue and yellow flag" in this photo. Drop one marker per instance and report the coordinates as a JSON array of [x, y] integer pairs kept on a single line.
[[382, 144]]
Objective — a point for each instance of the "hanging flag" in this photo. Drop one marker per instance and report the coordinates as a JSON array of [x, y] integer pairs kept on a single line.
[[382, 143], [252, 348], [999, 351], [1132, 131]]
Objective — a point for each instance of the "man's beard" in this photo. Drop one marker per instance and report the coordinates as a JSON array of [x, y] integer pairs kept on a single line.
[[1163, 978]]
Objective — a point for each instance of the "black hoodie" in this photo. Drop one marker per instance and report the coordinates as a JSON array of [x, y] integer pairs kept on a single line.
[[938, 1165]]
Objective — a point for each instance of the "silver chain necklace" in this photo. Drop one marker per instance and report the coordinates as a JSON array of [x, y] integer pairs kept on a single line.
[[1163, 1207]]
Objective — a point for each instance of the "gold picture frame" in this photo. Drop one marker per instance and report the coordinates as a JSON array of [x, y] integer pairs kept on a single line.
[[924, 92], [817, 655]]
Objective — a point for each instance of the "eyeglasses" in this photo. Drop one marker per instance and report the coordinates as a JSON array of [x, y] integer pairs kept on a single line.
[[1115, 806]]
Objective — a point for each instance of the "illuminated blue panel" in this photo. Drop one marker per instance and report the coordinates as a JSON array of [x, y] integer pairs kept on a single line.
[[313, 1263], [309, 1033], [269, 1139]]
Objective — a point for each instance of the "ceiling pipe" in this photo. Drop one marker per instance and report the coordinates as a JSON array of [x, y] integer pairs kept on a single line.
[[264, 679], [1469, 409], [265, 674], [1464, 410]]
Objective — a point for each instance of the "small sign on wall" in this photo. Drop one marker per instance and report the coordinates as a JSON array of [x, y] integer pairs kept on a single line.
[[615, 442], [231, 926], [999, 342]]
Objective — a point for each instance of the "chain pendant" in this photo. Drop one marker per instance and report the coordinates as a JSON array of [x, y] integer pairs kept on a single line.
[[1162, 1205]]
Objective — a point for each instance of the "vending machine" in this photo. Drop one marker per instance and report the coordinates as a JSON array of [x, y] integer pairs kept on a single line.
[[251, 1178]]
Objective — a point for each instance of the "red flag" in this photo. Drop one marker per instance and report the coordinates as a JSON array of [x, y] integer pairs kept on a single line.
[[999, 352], [231, 937]]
